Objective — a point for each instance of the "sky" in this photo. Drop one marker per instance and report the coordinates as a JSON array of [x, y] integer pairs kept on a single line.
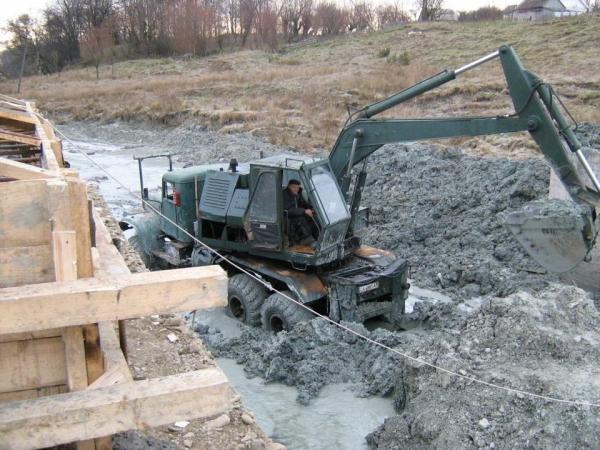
[[11, 9]]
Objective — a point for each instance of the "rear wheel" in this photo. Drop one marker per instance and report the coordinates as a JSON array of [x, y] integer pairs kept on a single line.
[[245, 297], [281, 314]]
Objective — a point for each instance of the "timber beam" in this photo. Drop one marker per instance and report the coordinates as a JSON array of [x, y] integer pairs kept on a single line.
[[93, 413], [42, 306], [19, 137]]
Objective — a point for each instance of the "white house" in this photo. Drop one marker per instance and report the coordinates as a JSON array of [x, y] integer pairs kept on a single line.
[[548, 9]]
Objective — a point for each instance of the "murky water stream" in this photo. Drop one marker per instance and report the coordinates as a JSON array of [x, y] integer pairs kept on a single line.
[[336, 419]]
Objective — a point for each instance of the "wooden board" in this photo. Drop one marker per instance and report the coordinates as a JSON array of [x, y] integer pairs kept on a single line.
[[57, 332], [20, 171], [31, 393], [24, 214], [54, 305], [31, 364], [16, 115], [26, 265], [19, 137], [99, 412], [80, 222]]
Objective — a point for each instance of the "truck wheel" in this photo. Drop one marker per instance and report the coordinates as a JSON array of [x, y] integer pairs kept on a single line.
[[245, 296], [136, 243], [279, 313]]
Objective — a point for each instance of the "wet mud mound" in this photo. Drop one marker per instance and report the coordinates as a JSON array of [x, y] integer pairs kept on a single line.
[[312, 355], [546, 343], [439, 209]]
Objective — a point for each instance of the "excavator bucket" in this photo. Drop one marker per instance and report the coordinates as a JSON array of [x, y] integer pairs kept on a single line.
[[558, 234]]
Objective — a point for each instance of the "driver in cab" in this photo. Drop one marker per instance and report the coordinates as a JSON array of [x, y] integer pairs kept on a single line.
[[302, 228]]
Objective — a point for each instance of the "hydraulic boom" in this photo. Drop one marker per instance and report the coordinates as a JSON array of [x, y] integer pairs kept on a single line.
[[537, 110]]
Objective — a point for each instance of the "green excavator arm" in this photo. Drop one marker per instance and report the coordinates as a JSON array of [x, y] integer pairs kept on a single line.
[[556, 235]]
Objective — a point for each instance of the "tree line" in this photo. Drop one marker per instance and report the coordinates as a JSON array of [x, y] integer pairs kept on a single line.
[[95, 31]]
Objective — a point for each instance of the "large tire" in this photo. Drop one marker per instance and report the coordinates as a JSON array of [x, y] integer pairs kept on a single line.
[[245, 297], [281, 314], [136, 244]]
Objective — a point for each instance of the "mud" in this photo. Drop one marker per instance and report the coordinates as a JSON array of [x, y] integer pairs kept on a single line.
[[191, 144], [546, 344], [507, 321], [439, 209]]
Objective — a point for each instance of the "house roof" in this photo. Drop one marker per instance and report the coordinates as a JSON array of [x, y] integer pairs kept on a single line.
[[575, 5], [528, 5]]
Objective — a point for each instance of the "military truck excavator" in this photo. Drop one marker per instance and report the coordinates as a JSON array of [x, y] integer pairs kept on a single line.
[[238, 210]]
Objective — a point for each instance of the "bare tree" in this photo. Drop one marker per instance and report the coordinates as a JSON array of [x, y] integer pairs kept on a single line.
[[96, 46], [330, 18], [390, 14], [296, 15], [431, 10], [247, 18], [362, 16]]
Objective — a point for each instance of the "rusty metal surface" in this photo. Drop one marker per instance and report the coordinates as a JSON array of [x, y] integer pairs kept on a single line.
[[306, 285], [375, 255]]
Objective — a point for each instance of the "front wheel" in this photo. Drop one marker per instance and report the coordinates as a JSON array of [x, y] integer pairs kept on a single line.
[[281, 314], [245, 296]]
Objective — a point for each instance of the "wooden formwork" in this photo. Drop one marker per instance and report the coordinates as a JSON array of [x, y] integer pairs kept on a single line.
[[63, 287]]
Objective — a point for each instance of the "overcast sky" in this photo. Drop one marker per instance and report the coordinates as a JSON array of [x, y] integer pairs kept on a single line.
[[11, 9]]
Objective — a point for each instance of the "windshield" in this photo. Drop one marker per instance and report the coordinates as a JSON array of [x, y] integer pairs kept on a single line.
[[329, 194]]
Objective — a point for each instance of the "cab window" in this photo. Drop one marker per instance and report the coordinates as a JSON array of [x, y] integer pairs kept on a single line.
[[168, 189]]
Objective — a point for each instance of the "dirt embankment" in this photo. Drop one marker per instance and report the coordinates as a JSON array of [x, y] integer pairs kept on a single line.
[[152, 354]]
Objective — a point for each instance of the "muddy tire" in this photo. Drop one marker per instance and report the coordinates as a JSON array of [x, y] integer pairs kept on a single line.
[[245, 296], [136, 244], [279, 313]]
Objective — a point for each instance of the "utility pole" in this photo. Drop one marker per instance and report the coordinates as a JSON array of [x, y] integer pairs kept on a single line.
[[22, 66]]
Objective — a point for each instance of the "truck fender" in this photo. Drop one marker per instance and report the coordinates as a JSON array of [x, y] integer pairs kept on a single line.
[[147, 232]]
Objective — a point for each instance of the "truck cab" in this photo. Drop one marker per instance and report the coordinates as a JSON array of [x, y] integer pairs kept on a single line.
[[240, 208]]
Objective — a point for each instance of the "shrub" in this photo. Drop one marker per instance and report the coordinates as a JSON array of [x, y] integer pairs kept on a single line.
[[399, 58], [384, 52]]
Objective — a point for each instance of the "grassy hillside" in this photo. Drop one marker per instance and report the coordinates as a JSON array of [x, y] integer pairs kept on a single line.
[[300, 97]]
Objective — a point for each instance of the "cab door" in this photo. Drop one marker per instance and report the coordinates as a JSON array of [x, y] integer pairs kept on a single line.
[[263, 221], [169, 209]]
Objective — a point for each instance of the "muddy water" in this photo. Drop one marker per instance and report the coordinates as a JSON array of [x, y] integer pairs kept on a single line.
[[118, 161], [336, 419]]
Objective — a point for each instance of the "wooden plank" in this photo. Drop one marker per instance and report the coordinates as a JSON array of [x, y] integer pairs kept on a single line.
[[26, 265], [99, 412], [111, 350], [16, 115], [56, 332], [93, 355], [20, 171], [75, 359], [49, 158], [64, 252], [80, 222], [31, 364], [54, 305], [55, 143], [113, 375], [24, 214], [19, 137], [31, 393]]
